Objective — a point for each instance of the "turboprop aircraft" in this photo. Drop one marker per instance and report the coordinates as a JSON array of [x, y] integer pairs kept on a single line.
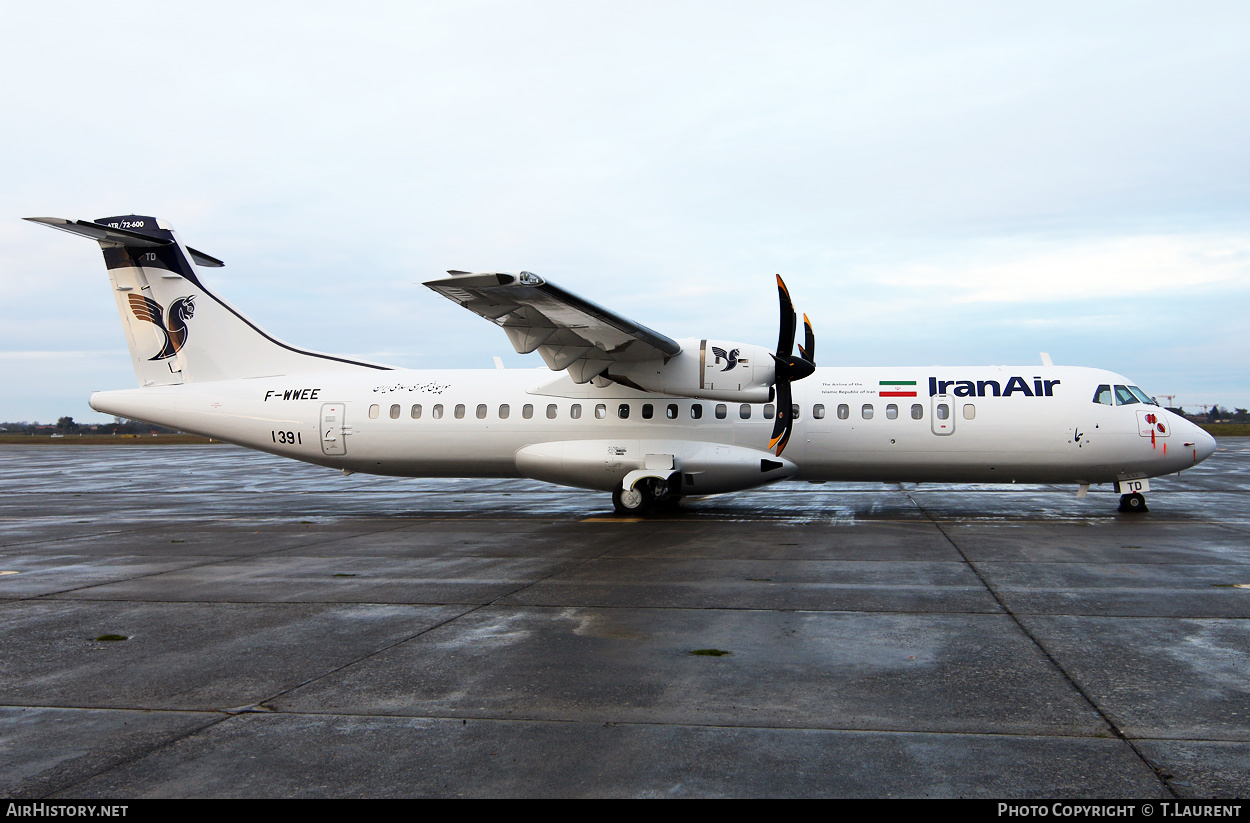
[[620, 408]]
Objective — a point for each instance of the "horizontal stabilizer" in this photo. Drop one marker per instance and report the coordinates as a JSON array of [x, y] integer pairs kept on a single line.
[[105, 234], [120, 237]]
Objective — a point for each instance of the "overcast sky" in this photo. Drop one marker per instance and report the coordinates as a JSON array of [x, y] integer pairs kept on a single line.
[[956, 183]]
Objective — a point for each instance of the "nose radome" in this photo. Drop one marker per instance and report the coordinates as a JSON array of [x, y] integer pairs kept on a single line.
[[1205, 445]]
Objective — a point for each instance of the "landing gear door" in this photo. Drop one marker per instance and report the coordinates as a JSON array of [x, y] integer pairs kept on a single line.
[[943, 414], [334, 429]]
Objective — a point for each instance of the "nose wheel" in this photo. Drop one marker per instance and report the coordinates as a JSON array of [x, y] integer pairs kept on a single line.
[[1133, 503]]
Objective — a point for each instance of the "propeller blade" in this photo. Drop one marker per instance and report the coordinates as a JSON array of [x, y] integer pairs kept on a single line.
[[789, 368], [783, 422], [785, 334], [808, 350]]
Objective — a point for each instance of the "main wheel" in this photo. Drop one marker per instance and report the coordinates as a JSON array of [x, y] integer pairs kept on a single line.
[[1134, 502], [634, 502]]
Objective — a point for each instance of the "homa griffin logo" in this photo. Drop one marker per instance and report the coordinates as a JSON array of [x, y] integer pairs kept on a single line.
[[731, 358], [174, 329], [985, 388]]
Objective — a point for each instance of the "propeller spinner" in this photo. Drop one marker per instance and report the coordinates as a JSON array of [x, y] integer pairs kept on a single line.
[[789, 367]]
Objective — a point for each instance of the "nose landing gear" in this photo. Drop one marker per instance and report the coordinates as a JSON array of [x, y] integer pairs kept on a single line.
[[645, 495], [1134, 503]]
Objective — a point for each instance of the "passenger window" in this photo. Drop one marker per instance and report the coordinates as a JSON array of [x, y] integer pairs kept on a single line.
[[891, 412], [622, 411], [867, 411], [527, 411], [575, 411], [551, 411], [943, 411], [917, 411], [504, 411], [437, 413], [416, 412], [794, 411], [374, 410], [970, 411], [481, 411], [818, 411], [844, 411], [459, 411], [601, 411], [721, 411], [744, 411], [770, 411], [696, 411], [671, 411], [395, 412], [648, 411], [1102, 395]]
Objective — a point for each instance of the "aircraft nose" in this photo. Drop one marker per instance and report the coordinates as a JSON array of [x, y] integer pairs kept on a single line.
[[1204, 447]]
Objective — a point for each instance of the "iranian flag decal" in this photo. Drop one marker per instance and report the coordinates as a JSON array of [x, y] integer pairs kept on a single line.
[[898, 388]]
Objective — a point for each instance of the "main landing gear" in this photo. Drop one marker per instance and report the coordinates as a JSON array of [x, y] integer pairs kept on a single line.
[[647, 493], [1134, 502]]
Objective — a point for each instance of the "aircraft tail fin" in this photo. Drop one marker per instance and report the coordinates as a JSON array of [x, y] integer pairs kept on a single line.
[[177, 330]]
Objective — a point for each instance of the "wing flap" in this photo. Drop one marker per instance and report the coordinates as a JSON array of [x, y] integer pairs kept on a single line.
[[568, 332]]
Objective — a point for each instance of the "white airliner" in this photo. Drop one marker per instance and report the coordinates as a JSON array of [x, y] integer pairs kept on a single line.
[[622, 408]]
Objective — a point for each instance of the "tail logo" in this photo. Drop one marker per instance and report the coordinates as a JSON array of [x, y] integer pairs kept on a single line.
[[175, 331]]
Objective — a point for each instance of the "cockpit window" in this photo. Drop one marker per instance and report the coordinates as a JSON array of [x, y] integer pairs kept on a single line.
[[1142, 396], [1124, 397], [1103, 395]]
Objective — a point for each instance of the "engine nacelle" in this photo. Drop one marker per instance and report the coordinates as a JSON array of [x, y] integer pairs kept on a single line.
[[706, 369]]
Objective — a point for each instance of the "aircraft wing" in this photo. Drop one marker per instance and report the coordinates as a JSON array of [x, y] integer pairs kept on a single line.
[[568, 331]]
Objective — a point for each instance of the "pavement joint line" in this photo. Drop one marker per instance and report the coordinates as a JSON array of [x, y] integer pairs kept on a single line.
[[257, 709], [558, 569], [52, 595], [608, 607], [138, 755], [1241, 528], [478, 606], [251, 709], [1104, 715], [123, 531]]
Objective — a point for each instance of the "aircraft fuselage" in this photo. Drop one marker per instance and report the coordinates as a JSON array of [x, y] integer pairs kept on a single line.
[[933, 424]]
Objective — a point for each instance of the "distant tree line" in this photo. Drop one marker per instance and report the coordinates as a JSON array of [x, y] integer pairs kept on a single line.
[[1215, 414], [66, 425], [1219, 414]]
